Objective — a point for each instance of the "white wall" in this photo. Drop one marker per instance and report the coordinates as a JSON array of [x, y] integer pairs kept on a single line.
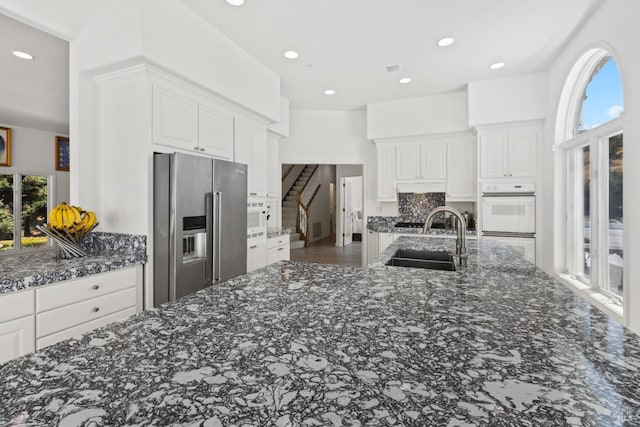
[[510, 99], [418, 116], [613, 26], [33, 151]]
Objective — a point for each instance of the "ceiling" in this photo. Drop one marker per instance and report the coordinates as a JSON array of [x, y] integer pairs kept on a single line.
[[346, 45], [34, 93]]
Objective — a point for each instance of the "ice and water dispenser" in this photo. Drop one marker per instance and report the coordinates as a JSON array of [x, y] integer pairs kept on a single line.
[[194, 240]]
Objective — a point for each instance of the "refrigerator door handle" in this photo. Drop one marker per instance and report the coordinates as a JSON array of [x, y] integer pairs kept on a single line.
[[208, 272], [217, 241]]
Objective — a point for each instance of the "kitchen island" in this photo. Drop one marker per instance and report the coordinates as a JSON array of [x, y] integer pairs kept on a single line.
[[498, 343]]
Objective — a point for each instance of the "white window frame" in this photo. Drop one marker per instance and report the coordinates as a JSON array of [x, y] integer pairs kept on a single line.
[[17, 210]]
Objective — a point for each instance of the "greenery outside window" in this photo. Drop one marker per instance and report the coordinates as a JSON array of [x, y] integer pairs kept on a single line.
[[24, 204]]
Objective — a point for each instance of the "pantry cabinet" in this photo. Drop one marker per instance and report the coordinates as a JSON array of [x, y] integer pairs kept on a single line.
[[251, 149], [508, 152], [215, 132], [274, 170]]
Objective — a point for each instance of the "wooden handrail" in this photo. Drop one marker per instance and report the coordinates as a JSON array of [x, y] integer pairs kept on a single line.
[[307, 183]]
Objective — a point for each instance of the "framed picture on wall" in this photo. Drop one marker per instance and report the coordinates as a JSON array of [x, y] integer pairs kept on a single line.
[[5, 146], [62, 153]]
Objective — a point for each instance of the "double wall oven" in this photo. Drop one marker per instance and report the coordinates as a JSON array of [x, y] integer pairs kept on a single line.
[[509, 215]]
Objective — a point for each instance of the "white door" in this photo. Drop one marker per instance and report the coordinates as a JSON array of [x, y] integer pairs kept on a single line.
[[493, 156], [434, 160], [16, 338], [386, 173], [408, 162], [522, 154], [215, 132], [461, 171], [346, 211]]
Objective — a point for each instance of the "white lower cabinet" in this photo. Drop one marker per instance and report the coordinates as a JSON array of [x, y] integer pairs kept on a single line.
[[384, 240], [256, 254], [17, 325], [278, 249], [377, 243], [67, 309]]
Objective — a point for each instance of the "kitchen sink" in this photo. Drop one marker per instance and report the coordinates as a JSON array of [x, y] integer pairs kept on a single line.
[[433, 260]]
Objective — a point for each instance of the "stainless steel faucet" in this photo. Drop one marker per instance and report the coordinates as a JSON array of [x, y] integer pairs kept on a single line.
[[461, 239]]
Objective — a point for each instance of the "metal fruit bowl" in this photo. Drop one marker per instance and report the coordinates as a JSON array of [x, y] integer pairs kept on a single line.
[[69, 242]]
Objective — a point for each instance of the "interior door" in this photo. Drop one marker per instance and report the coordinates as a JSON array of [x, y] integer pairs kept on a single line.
[[347, 211]]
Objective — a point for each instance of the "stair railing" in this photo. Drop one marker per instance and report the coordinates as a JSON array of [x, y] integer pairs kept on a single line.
[[304, 197]]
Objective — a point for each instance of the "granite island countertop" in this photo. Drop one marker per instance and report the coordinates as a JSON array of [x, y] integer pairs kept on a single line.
[[386, 224], [497, 343], [105, 252]]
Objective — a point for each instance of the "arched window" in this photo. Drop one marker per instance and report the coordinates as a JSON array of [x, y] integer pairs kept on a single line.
[[589, 130]]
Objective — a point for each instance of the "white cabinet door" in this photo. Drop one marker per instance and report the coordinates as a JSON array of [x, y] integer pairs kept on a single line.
[[17, 338], [274, 171], [215, 132], [407, 162], [256, 254], [280, 253], [522, 154], [250, 148], [461, 171], [372, 246], [433, 161], [386, 173], [175, 119], [258, 162], [493, 156]]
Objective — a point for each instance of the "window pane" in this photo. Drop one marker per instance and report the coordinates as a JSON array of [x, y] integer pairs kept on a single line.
[[616, 225], [6, 212], [603, 100], [34, 210], [586, 206]]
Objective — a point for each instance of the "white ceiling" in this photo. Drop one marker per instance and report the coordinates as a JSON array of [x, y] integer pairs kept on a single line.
[[346, 45], [33, 93]]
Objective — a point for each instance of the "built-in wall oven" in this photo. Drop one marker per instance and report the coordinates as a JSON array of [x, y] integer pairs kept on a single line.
[[256, 218], [509, 215]]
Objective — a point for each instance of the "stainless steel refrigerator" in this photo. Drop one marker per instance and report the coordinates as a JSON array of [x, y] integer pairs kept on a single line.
[[200, 223]]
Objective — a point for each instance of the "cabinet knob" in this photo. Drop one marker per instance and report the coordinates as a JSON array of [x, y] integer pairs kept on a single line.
[[196, 148], [281, 249], [95, 287], [96, 309], [202, 149]]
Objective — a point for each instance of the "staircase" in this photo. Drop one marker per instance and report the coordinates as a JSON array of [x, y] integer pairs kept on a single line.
[[290, 207]]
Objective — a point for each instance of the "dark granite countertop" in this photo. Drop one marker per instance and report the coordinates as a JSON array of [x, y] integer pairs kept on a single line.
[[277, 232], [499, 343], [385, 224], [106, 252]]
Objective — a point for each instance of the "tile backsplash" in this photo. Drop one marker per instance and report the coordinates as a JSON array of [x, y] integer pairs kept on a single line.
[[414, 207]]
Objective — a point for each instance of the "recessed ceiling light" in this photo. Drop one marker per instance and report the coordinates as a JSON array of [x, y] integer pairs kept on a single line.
[[291, 54], [329, 92], [404, 80], [235, 2], [496, 66], [446, 41], [22, 55]]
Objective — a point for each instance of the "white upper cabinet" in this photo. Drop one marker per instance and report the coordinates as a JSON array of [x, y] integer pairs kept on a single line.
[[425, 161], [187, 122], [386, 173], [408, 162], [508, 152], [461, 170], [215, 132], [175, 119], [433, 156], [250, 148]]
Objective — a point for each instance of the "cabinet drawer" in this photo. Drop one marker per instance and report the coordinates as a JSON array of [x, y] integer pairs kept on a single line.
[[65, 293], [85, 327], [277, 241], [16, 338], [15, 305], [71, 315], [280, 253]]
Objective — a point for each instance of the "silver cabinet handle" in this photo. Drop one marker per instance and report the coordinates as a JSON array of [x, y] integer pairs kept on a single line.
[[196, 148], [95, 287], [96, 309], [281, 249]]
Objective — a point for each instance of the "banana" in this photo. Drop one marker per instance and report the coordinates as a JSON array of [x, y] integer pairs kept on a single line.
[[53, 215], [91, 220], [69, 217], [76, 215]]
